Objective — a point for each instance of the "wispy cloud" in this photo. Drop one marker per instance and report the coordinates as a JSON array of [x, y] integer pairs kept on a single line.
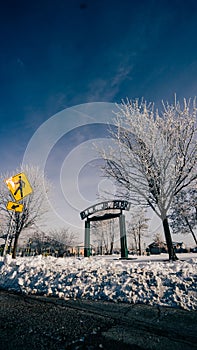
[[102, 89], [123, 73]]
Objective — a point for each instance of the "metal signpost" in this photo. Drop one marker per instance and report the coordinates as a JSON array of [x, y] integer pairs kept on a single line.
[[19, 187]]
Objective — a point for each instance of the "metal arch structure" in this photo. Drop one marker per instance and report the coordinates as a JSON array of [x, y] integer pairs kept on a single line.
[[88, 213]]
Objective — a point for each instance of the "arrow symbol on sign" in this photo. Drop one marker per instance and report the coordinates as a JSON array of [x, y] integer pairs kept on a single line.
[[15, 206]]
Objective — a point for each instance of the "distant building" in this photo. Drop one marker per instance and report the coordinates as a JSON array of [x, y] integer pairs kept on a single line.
[[161, 247], [180, 247], [157, 248]]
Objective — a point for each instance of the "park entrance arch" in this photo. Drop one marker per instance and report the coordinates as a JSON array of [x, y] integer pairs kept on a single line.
[[111, 208]]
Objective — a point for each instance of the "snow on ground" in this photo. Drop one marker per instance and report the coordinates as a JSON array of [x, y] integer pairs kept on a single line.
[[137, 280]]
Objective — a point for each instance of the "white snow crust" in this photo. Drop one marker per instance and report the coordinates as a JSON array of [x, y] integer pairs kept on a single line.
[[138, 280]]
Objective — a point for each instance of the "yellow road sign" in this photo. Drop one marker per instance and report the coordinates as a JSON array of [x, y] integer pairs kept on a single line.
[[19, 186], [15, 207]]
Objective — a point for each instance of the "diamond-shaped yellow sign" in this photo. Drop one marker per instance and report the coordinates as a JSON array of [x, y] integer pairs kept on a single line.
[[15, 207], [19, 186]]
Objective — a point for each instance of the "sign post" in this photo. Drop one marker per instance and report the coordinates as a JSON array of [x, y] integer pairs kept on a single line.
[[19, 187], [123, 237], [108, 205], [87, 239]]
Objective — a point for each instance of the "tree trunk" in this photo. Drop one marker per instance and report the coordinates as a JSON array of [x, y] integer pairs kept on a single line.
[[15, 245], [111, 248], [192, 232], [19, 222], [171, 252], [135, 241], [139, 241], [10, 245]]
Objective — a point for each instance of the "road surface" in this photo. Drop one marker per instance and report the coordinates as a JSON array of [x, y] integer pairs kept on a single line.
[[40, 323]]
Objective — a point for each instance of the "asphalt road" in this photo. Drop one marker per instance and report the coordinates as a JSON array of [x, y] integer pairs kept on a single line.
[[39, 323]]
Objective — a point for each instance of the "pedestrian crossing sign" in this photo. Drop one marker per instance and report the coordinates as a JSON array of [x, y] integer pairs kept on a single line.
[[19, 186], [15, 207]]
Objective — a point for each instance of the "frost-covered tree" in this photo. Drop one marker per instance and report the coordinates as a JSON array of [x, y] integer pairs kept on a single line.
[[183, 216], [137, 227], [62, 240], [157, 238], [35, 205], [38, 239], [105, 234], [155, 155]]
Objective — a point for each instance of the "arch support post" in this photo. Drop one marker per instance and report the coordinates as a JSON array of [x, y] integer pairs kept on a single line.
[[87, 239], [123, 237]]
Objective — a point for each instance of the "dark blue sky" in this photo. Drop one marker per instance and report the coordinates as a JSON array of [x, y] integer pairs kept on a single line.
[[58, 53]]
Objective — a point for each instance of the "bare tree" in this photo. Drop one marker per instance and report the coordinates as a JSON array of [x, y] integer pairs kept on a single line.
[[112, 232], [38, 239], [158, 239], [62, 239], [104, 233], [137, 227], [35, 205], [183, 215], [98, 235], [155, 155]]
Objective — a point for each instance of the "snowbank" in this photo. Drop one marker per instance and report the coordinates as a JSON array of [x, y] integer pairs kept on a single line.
[[98, 278]]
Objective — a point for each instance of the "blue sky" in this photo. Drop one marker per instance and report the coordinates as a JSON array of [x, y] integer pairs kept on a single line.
[[58, 54]]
